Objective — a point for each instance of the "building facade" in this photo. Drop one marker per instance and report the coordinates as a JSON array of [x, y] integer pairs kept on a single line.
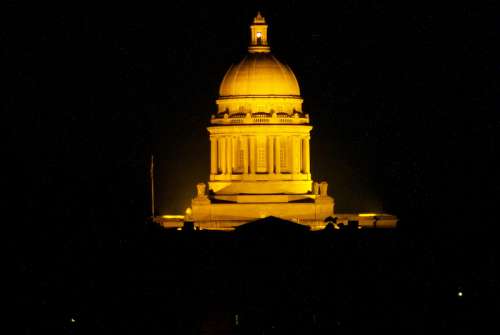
[[260, 161], [260, 147]]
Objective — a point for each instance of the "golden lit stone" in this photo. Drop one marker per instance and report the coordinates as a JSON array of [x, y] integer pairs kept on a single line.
[[258, 35], [260, 151], [172, 217], [259, 144], [260, 74]]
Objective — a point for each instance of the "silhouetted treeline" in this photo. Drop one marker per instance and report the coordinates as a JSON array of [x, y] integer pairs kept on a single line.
[[259, 280]]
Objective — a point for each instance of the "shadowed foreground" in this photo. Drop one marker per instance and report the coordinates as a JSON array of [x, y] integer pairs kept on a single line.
[[269, 278]]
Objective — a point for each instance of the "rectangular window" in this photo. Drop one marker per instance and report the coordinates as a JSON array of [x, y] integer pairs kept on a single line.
[[261, 160], [284, 156], [240, 161], [238, 156]]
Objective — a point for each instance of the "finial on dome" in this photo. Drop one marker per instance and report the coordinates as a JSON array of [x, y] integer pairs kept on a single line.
[[259, 18], [258, 35]]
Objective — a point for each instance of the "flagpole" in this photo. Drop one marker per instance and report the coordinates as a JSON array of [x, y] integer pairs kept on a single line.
[[152, 178]]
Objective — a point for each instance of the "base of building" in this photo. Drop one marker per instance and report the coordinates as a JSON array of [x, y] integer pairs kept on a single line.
[[261, 186], [222, 212], [379, 220]]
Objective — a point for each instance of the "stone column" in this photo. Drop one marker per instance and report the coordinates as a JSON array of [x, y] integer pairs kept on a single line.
[[306, 168], [252, 155], [213, 155], [222, 141], [270, 154], [229, 151], [277, 155], [295, 155], [244, 143]]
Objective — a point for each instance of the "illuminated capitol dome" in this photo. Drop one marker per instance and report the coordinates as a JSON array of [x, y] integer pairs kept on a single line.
[[259, 139], [260, 147], [260, 74]]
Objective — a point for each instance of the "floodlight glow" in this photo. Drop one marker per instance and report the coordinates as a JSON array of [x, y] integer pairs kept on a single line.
[[169, 216]]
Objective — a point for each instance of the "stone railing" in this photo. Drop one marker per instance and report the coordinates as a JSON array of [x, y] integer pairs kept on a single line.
[[260, 118]]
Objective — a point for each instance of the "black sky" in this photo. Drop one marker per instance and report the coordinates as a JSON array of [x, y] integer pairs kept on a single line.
[[403, 99]]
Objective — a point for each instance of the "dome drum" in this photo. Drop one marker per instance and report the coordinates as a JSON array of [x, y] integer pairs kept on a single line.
[[260, 118], [254, 104]]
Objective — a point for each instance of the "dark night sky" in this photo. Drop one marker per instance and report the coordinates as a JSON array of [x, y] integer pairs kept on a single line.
[[403, 100]]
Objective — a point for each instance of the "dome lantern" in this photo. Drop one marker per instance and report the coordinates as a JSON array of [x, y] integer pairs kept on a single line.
[[260, 83], [258, 35]]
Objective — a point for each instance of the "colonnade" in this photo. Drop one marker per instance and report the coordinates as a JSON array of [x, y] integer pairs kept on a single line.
[[276, 154]]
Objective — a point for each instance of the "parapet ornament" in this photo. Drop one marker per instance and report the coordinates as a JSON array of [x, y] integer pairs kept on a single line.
[[315, 188], [323, 189], [201, 188]]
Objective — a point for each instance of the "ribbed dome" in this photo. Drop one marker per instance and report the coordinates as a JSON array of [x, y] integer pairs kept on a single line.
[[259, 74]]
